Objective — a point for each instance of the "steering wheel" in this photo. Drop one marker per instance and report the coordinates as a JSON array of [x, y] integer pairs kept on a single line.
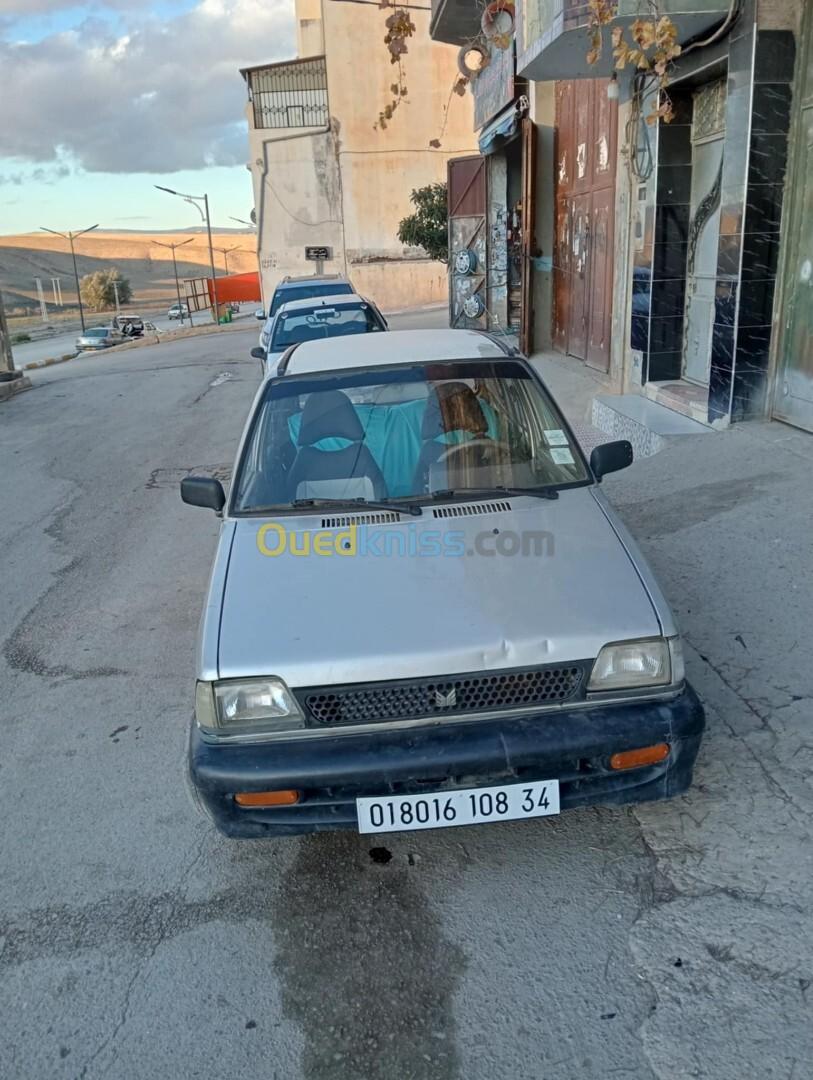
[[448, 454]]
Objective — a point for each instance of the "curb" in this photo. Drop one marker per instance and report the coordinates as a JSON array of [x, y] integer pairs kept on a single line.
[[139, 343], [13, 386]]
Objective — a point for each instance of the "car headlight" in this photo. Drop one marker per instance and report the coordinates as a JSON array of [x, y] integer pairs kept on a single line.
[[633, 665], [246, 707]]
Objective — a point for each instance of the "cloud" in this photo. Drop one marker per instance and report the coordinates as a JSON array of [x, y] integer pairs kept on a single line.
[[40, 175], [164, 95]]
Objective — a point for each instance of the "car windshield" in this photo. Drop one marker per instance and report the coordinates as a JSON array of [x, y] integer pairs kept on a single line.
[[406, 432], [307, 292], [99, 332], [322, 322]]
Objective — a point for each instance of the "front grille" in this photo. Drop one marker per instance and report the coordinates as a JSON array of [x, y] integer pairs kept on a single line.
[[449, 695]]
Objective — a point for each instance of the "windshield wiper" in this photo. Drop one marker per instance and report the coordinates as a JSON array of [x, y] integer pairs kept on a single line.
[[356, 504], [536, 492]]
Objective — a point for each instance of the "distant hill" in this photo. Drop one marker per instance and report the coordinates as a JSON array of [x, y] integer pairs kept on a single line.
[[148, 266]]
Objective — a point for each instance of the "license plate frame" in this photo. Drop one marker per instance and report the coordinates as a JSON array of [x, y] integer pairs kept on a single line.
[[464, 806]]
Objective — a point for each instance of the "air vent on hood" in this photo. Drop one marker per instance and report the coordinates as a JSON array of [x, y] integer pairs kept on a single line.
[[386, 517], [470, 509]]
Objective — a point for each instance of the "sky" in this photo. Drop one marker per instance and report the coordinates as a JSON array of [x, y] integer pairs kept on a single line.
[[102, 100]]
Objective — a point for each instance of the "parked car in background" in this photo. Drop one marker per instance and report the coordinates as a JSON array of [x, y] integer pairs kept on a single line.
[[259, 315], [309, 320], [304, 288], [177, 310], [100, 337], [423, 612]]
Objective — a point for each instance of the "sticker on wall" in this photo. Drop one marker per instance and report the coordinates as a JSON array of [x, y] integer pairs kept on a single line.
[[555, 437], [561, 455], [581, 159]]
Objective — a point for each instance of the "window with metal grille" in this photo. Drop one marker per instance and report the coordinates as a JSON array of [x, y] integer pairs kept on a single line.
[[290, 95]]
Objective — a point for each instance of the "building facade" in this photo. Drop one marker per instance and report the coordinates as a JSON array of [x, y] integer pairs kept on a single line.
[[680, 252], [330, 179]]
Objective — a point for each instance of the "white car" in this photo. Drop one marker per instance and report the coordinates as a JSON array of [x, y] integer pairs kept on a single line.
[[317, 317], [178, 311]]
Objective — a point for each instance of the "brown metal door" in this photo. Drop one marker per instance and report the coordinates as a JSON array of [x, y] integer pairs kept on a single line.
[[466, 198], [528, 233], [586, 123], [579, 276], [600, 268]]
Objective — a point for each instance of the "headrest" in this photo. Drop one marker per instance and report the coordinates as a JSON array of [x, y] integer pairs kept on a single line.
[[453, 407], [329, 414]]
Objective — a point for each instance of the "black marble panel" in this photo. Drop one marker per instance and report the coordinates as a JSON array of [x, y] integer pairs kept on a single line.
[[774, 56], [674, 183], [748, 398], [668, 297], [753, 347], [725, 303], [672, 224], [639, 332], [669, 260], [760, 255], [763, 207], [770, 109], [666, 334], [722, 366], [728, 256], [769, 158], [756, 303], [641, 292], [665, 365]]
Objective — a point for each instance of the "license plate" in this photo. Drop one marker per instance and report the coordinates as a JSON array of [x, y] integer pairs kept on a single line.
[[471, 806]]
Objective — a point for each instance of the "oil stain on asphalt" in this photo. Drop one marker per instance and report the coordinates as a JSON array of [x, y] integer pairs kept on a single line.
[[364, 970]]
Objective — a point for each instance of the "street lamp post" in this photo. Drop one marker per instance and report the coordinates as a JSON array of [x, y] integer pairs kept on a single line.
[[204, 213], [242, 221], [172, 248], [225, 252], [70, 237]]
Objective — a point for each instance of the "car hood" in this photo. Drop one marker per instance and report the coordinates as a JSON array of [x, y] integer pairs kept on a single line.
[[322, 619]]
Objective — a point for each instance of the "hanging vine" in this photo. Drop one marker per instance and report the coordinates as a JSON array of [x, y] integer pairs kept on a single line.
[[399, 27], [650, 45]]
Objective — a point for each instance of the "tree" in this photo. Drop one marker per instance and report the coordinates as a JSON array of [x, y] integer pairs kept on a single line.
[[427, 227], [97, 289]]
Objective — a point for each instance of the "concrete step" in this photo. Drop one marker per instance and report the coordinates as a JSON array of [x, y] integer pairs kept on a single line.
[[645, 423]]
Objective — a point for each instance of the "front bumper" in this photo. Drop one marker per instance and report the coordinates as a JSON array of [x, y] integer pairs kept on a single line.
[[573, 746]]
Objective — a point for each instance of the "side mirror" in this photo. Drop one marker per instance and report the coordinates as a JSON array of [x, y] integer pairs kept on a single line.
[[203, 491], [258, 352], [610, 457]]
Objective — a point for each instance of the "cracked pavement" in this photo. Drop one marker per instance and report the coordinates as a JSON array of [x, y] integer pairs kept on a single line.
[[666, 942]]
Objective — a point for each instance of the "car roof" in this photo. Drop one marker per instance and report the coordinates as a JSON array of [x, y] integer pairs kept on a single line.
[[309, 279], [310, 302], [395, 347]]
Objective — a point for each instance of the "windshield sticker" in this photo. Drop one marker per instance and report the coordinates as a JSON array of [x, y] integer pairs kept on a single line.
[[561, 455], [555, 437]]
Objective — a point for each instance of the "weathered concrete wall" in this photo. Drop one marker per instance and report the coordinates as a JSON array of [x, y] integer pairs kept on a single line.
[[543, 113], [348, 188]]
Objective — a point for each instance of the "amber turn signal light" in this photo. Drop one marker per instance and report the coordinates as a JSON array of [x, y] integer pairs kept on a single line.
[[266, 798], [646, 755]]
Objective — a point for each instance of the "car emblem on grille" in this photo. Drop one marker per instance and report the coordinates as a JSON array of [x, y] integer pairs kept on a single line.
[[444, 701]]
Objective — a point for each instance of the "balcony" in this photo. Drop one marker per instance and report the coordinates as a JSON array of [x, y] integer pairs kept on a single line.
[[289, 95], [553, 40]]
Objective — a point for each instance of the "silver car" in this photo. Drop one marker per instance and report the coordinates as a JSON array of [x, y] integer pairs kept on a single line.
[[313, 318], [423, 612], [100, 337]]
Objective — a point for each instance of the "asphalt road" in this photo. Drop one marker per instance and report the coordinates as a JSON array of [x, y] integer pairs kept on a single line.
[[137, 942]]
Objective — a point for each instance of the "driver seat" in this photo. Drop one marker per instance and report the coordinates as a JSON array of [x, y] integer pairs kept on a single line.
[[451, 407], [347, 473]]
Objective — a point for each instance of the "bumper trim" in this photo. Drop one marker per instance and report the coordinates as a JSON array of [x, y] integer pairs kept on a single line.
[[573, 745]]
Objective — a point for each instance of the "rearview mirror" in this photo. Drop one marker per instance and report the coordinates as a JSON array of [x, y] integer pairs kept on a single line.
[[203, 491], [610, 457], [258, 352]]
